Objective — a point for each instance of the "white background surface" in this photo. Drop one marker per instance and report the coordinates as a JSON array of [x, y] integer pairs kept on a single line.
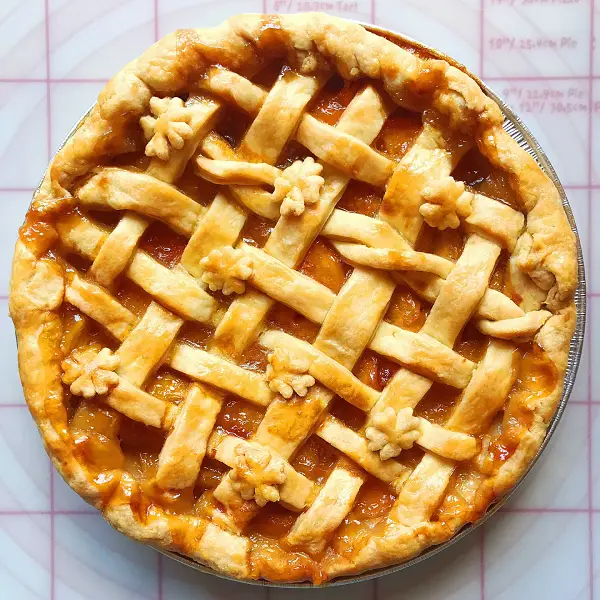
[[55, 56]]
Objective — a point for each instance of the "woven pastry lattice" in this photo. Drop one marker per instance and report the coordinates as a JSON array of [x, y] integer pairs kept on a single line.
[[308, 142]]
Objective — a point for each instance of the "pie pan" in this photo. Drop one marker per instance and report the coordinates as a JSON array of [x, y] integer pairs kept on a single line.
[[523, 137]]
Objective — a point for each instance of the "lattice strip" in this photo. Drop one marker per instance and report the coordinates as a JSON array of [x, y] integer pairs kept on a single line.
[[139, 405], [120, 189], [440, 440], [234, 88], [145, 346], [181, 456], [98, 304], [417, 350], [285, 285], [420, 494], [462, 290], [315, 526], [118, 248], [221, 373], [488, 390], [291, 91]]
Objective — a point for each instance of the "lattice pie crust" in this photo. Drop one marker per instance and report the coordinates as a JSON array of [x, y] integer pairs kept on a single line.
[[291, 301]]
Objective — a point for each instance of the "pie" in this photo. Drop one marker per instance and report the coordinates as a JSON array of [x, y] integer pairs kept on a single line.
[[291, 302]]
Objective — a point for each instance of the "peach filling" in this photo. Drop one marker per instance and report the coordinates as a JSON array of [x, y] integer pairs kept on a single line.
[[537, 377], [366, 518]]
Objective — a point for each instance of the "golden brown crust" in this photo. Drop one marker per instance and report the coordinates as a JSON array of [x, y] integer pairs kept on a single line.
[[310, 43]]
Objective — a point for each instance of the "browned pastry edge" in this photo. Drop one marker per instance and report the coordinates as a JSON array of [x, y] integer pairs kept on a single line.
[[309, 42]]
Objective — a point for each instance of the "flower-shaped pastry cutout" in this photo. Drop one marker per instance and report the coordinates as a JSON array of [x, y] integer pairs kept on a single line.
[[391, 432], [90, 370], [168, 128], [257, 474], [446, 202], [287, 374], [226, 269], [298, 185]]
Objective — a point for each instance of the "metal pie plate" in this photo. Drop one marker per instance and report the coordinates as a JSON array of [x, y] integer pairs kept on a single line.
[[521, 134]]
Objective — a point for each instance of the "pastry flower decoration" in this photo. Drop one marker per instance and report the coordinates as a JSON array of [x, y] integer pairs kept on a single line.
[[298, 185], [287, 374], [226, 269], [391, 432], [90, 370], [445, 201], [257, 474], [169, 127]]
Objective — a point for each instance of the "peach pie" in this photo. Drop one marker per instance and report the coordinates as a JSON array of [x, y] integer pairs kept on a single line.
[[291, 302]]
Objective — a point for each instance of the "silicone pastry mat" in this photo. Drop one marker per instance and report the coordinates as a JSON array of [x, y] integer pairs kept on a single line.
[[55, 55]]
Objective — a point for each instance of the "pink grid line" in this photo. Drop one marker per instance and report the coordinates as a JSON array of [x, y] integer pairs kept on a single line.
[[542, 77], [482, 561], [48, 105], [71, 513], [16, 189], [51, 80], [589, 382], [545, 511], [481, 36], [159, 575]]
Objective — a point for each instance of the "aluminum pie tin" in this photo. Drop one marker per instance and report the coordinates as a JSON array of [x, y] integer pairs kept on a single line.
[[521, 134]]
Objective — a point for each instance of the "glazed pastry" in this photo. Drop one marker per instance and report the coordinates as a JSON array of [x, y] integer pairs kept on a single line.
[[291, 302]]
